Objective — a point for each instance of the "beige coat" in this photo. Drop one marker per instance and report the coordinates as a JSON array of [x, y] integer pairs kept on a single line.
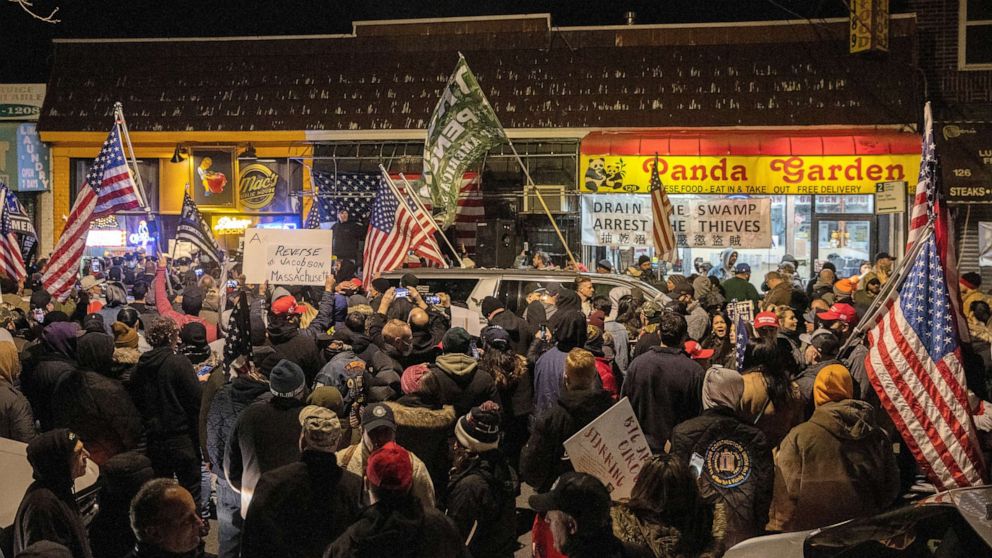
[[354, 459]]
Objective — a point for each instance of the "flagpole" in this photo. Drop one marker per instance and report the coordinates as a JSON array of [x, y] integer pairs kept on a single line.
[[894, 282], [399, 198], [420, 205]]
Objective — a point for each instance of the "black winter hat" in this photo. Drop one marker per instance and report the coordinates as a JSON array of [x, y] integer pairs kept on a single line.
[[456, 340], [478, 431], [491, 304]]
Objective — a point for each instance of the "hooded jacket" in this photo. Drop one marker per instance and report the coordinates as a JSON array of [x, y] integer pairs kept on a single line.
[[166, 392], [549, 370], [423, 428], [288, 339], [224, 410], [665, 388], [265, 436], [543, 458], [16, 419], [48, 510], [405, 528], [482, 499], [355, 458], [724, 271], [45, 365], [721, 436], [300, 508], [839, 456], [521, 333], [462, 384]]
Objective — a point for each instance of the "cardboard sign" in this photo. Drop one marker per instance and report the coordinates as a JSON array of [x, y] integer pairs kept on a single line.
[[611, 448], [617, 220], [287, 256]]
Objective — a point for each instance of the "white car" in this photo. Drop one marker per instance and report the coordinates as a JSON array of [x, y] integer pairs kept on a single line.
[[956, 523], [467, 288]]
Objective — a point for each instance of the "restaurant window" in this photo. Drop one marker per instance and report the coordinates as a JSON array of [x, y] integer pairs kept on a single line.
[[975, 35], [845, 204]]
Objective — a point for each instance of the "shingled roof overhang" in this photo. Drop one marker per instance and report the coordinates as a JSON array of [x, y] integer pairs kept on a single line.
[[385, 78]]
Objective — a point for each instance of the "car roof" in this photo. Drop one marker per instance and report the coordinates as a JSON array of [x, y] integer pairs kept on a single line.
[[17, 476], [525, 274]]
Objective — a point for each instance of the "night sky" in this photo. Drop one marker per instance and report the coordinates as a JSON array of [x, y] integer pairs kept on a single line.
[[26, 52]]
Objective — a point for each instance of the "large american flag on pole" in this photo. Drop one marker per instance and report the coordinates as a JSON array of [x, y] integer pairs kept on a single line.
[[397, 227], [914, 361], [11, 260], [661, 213], [108, 188]]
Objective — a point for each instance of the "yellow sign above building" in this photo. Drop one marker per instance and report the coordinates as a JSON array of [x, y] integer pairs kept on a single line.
[[786, 174]]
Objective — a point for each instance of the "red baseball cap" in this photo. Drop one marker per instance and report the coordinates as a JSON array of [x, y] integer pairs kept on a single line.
[[285, 305], [390, 468], [765, 319], [697, 351], [840, 311]]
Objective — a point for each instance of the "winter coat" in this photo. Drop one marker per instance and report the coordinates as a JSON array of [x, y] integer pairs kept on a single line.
[[125, 361], [166, 311], [521, 333], [774, 422], [424, 428], [661, 539], [739, 289], [354, 458], [297, 347], [649, 338], [224, 410], [300, 508], [43, 369], [549, 375], [698, 321], [399, 528], [543, 458], [737, 468], [780, 295], [48, 510], [100, 411], [482, 499], [724, 271], [166, 392], [665, 388], [836, 466], [265, 436], [16, 419], [462, 384], [604, 368], [621, 344], [805, 382]]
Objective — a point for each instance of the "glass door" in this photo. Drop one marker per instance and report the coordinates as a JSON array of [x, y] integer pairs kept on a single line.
[[847, 243]]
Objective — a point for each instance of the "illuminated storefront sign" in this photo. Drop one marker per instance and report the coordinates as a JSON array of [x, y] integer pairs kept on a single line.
[[257, 185], [786, 174], [227, 224], [106, 238]]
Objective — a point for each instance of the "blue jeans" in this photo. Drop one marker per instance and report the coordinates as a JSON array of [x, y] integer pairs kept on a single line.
[[229, 520], [205, 488]]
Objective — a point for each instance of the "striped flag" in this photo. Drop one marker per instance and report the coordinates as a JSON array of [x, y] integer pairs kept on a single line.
[[108, 188], [661, 211], [397, 227], [22, 226], [914, 362], [923, 199], [740, 342], [471, 211], [11, 261], [193, 229]]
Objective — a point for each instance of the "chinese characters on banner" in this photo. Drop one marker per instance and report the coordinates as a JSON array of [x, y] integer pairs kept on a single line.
[[625, 220]]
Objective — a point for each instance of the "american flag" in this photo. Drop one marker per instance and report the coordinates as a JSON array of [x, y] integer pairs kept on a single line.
[[915, 366], [397, 227], [471, 211], [352, 192], [11, 261], [238, 341], [109, 188], [925, 194], [22, 226], [661, 211], [741, 341], [193, 228]]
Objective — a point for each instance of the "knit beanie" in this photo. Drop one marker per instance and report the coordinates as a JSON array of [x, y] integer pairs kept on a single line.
[[410, 381], [287, 380], [478, 431], [489, 305], [456, 340], [124, 337], [833, 383]]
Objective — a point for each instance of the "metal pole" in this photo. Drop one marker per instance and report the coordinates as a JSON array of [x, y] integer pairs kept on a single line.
[[420, 205], [540, 198], [399, 198]]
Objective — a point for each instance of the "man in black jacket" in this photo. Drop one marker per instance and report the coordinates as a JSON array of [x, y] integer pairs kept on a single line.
[[521, 333], [300, 508], [459, 380], [664, 385], [167, 393], [48, 510], [299, 346], [266, 435], [732, 457], [543, 458], [348, 236], [166, 522]]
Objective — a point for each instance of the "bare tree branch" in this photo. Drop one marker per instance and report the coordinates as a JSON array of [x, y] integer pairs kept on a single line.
[[28, 6]]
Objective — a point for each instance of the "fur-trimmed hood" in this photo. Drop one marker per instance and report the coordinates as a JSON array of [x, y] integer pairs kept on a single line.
[[422, 416], [126, 355]]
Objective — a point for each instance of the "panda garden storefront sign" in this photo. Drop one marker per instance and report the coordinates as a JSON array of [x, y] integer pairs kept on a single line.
[[624, 220]]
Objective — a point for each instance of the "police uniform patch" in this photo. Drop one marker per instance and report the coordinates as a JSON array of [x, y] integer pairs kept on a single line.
[[727, 463]]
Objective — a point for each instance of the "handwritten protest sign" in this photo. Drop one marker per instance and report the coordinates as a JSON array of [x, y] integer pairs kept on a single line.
[[611, 448], [287, 256]]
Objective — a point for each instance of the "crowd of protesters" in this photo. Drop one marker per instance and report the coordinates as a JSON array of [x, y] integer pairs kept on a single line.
[[354, 420]]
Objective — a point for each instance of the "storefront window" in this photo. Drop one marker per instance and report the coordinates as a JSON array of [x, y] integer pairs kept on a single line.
[[149, 178]]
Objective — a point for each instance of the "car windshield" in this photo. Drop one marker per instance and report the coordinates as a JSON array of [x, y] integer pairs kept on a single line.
[[916, 531]]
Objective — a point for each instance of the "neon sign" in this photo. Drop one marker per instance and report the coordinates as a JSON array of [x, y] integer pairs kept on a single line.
[[231, 225], [141, 238]]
